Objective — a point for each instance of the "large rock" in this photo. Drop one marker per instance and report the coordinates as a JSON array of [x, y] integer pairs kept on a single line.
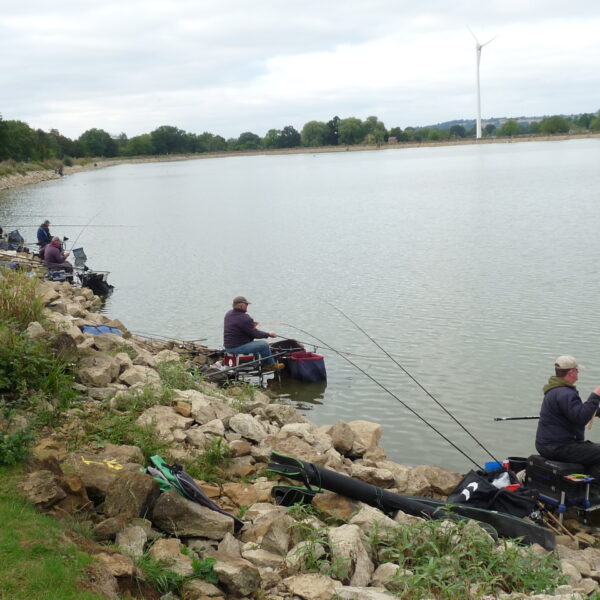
[[363, 593], [168, 553], [367, 516], [140, 375], [380, 477], [366, 436], [131, 493], [205, 408], [97, 369], [312, 586], [248, 426], [177, 515], [406, 480], [272, 531], [42, 488], [440, 480], [283, 414], [238, 575], [347, 547], [342, 437], [106, 342], [164, 420]]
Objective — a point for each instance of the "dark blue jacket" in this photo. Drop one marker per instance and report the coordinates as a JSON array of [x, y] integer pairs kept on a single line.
[[44, 236], [563, 416], [239, 328]]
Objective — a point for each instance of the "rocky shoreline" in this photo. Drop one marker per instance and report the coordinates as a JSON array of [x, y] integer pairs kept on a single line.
[[32, 177], [103, 485]]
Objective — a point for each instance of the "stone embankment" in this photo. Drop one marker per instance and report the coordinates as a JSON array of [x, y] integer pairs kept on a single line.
[[105, 487]]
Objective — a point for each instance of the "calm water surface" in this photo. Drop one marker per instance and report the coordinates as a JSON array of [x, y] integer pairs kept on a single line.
[[474, 266]]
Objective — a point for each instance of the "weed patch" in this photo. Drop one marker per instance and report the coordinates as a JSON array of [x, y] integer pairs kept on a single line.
[[459, 561], [176, 376], [210, 464], [19, 302]]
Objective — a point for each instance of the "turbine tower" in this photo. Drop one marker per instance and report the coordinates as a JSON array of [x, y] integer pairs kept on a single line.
[[478, 48]]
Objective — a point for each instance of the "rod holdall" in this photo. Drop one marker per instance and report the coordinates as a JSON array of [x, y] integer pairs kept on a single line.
[[477, 489]]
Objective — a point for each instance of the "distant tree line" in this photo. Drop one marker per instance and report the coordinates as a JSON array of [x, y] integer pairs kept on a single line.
[[21, 143]]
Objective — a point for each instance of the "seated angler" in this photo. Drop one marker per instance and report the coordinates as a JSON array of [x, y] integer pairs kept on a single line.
[[55, 259], [240, 335], [44, 236], [563, 417]]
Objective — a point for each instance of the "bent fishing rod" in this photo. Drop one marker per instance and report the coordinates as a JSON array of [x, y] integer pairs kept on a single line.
[[383, 387], [83, 229], [515, 418], [414, 380]]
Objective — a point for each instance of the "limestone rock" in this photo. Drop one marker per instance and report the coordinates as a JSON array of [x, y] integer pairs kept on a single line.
[[342, 437], [132, 493], [283, 414], [380, 477], [363, 593], [312, 586], [42, 488], [297, 557], [35, 331], [105, 342], [164, 419], [248, 426], [239, 576], [167, 356], [117, 564], [440, 480], [334, 505], [366, 436], [140, 375], [177, 515], [168, 552], [346, 545]]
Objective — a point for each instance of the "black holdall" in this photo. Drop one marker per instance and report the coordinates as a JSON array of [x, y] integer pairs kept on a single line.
[[477, 489]]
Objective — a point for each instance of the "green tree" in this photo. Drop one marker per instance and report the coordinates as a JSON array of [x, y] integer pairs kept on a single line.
[[271, 139], [314, 134], [351, 131], [20, 141], [140, 145], [289, 137], [333, 137], [554, 124], [212, 143], [458, 131], [249, 141], [583, 120], [97, 142], [398, 134], [509, 128], [375, 128], [595, 122], [169, 140], [489, 129]]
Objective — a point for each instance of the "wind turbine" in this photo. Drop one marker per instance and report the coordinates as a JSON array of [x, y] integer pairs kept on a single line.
[[478, 48]]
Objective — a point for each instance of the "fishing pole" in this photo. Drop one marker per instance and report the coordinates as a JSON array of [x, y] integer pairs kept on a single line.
[[515, 418], [83, 229], [246, 364], [383, 387], [415, 381]]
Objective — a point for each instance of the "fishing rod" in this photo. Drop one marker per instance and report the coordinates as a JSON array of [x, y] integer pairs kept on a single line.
[[83, 229], [415, 381], [157, 336], [383, 387], [515, 418], [246, 364]]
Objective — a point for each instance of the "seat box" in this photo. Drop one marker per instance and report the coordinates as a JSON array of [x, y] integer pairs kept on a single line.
[[551, 478]]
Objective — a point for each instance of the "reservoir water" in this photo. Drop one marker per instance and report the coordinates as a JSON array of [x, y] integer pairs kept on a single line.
[[475, 266]]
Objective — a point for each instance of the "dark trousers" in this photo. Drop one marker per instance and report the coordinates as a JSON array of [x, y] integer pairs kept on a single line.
[[585, 453]]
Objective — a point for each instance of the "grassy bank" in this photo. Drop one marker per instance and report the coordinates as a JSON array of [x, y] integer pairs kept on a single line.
[[36, 558]]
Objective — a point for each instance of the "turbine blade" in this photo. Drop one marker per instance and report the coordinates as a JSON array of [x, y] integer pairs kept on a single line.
[[474, 36], [482, 45]]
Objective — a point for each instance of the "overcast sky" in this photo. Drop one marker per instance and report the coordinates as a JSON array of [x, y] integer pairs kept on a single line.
[[240, 65]]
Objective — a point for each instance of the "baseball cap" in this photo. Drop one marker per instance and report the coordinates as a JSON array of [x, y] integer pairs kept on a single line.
[[567, 362], [240, 300]]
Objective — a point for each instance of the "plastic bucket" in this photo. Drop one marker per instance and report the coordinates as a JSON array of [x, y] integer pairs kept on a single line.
[[517, 463]]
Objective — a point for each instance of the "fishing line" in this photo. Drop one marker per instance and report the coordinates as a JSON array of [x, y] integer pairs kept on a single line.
[[415, 413], [414, 380], [83, 229]]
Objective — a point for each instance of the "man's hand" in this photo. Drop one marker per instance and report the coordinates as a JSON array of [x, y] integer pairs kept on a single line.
[[273, 335]]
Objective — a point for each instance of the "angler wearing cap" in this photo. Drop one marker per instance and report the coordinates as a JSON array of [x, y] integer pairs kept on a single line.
[[563, 417], [240, 333]]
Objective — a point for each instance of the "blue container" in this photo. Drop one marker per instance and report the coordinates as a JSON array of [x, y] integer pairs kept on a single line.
[[492, 465]]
